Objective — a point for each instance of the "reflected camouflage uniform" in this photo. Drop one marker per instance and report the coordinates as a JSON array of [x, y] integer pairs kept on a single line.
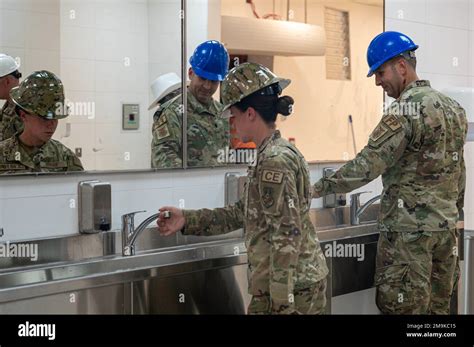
[[287, 269], [10, 122], [208, 134], [40, 94], [418, 149], [51, 157]]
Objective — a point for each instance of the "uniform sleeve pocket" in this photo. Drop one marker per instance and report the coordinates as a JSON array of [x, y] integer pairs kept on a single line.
[[393, 289]]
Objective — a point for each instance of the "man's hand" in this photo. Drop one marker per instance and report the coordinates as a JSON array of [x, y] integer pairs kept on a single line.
[[315, 193], [172, 224]]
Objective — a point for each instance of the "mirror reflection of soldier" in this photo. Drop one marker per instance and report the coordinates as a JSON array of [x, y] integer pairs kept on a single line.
[[286, 267], [208, 134], [164, 88], [39, 102], [418, 149], [10, 122]]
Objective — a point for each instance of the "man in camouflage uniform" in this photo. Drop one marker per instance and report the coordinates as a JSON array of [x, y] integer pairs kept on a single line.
[[10, 122], [287, 269], [418, 149], [39, 101], [208, 134]]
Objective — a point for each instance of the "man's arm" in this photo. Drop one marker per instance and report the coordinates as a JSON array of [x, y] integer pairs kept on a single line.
[[386, 145]]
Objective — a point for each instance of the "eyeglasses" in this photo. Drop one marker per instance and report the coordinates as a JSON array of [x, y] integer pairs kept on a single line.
[[16, 74]]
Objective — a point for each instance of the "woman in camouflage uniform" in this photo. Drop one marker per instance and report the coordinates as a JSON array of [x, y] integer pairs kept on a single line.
[[287, 269]]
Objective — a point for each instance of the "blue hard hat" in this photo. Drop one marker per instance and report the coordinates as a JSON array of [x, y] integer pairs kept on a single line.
[[386, 46], [210, 60]]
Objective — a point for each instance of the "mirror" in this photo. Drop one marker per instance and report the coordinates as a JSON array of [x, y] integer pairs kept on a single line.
[[109, 56]]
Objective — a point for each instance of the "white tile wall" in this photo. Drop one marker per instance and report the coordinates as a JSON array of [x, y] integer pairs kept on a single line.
[[112, 15], [77, 42], [452, 13], [29, 30], [104, 59], [133, 141], [418, 32], [49, 200], [408, 10], [44, 6], [448, 50], [129, 160], [471, 50], [471, 15], [78, 13], [168, 20], [12, 28], [42, 31], [77, 75]]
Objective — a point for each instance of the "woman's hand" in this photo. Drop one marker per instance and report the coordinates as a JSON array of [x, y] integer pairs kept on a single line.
[[168, 225]]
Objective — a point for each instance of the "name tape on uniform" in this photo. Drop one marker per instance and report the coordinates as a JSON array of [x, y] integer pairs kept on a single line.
[[270, 176]]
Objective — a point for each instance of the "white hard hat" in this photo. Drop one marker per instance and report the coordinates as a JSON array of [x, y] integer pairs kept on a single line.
[[7, 65], [164, 85]]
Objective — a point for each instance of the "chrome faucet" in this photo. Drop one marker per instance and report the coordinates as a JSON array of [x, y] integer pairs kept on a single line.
[[130, 234], [356, 209]]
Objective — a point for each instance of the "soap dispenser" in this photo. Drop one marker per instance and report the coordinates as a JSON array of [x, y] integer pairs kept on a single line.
[[95, 202]]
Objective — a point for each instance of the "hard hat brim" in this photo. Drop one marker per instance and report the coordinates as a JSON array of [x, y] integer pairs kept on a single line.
[[207, 75], [14, 94], [283, 82]]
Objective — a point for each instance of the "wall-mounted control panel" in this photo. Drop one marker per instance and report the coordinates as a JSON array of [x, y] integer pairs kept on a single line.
[[130, 116]]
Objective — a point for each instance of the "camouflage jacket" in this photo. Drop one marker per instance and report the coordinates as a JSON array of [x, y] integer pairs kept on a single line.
[[10, 122], [283, 249], [51, 157], [208, 134], [418, 149]]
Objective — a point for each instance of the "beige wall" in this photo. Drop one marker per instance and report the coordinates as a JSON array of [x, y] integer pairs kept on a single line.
[[320, 122]]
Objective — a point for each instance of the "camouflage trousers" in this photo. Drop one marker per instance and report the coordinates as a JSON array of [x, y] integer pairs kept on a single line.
[[311, 300], [416, 273]]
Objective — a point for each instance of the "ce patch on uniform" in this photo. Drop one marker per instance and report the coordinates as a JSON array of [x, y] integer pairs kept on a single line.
[[162, 132], [271, 189], [389, 126], [271, 176], [161, 128]]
